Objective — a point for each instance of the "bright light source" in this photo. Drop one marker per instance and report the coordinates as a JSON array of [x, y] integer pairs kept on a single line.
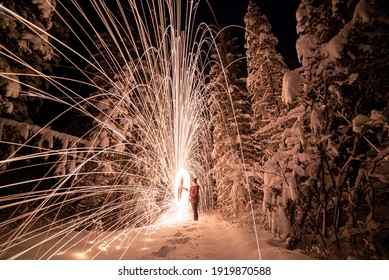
[[179, 211], [181, 188], [80, 255]]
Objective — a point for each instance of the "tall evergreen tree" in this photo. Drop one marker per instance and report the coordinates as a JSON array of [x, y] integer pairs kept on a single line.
[[230, 112], [264, 83]]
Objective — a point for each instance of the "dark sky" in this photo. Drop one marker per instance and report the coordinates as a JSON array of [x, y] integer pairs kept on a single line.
[[281, 15]]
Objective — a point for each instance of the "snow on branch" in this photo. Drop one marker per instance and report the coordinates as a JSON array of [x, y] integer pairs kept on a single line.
[[291, 87], [26, 130]]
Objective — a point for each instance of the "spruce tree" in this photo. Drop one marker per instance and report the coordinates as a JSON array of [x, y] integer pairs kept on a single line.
[[264, 83], [25, 54], [230, 114], [333, 155]]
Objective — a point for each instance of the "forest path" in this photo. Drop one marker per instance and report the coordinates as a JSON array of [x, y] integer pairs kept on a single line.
[[209, 238], [212, 238]]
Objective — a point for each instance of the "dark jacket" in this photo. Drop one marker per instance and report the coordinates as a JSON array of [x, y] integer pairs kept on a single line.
[[194, 194]]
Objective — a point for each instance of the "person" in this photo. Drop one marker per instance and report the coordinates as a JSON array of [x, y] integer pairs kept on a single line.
[[194, 197]]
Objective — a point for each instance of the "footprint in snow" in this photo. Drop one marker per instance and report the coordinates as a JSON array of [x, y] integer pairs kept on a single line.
[[163, 251]]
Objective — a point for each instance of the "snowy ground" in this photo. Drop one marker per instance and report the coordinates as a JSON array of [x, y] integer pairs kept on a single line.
[[210, 238]]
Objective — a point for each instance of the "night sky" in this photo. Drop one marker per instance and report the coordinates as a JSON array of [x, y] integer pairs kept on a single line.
[[281, 15]]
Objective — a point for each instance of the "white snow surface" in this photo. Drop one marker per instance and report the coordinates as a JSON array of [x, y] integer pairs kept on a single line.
[[210, 238]]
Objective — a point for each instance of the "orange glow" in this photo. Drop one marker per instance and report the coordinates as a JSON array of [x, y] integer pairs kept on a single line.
[[80, 256], [182, 200]]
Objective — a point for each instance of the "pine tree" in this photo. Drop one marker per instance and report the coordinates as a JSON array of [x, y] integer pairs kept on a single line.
[[328, 183], [24, 50], [265, 78], [265, 68], [26, 56], [264, 83], [230, 114], [122, 112]]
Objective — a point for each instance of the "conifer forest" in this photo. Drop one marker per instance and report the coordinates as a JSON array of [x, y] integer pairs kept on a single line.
[[106, 107]]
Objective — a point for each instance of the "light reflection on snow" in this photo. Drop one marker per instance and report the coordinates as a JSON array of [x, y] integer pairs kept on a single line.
[[80, 256]]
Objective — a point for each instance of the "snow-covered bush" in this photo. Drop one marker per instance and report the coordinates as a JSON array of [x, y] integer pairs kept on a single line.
[[328, 176]]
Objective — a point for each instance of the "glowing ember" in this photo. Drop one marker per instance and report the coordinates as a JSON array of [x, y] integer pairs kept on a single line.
[[181, 188]]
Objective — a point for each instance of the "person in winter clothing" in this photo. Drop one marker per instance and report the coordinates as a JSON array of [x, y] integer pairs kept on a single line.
[[194, 197]]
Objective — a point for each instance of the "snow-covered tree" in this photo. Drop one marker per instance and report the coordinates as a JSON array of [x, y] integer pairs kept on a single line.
[[331, 167], [294, 165], [264, 83], [26, 57], [230, 114], [25, 54], [121, 155], [265, 68], [346, 88]]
